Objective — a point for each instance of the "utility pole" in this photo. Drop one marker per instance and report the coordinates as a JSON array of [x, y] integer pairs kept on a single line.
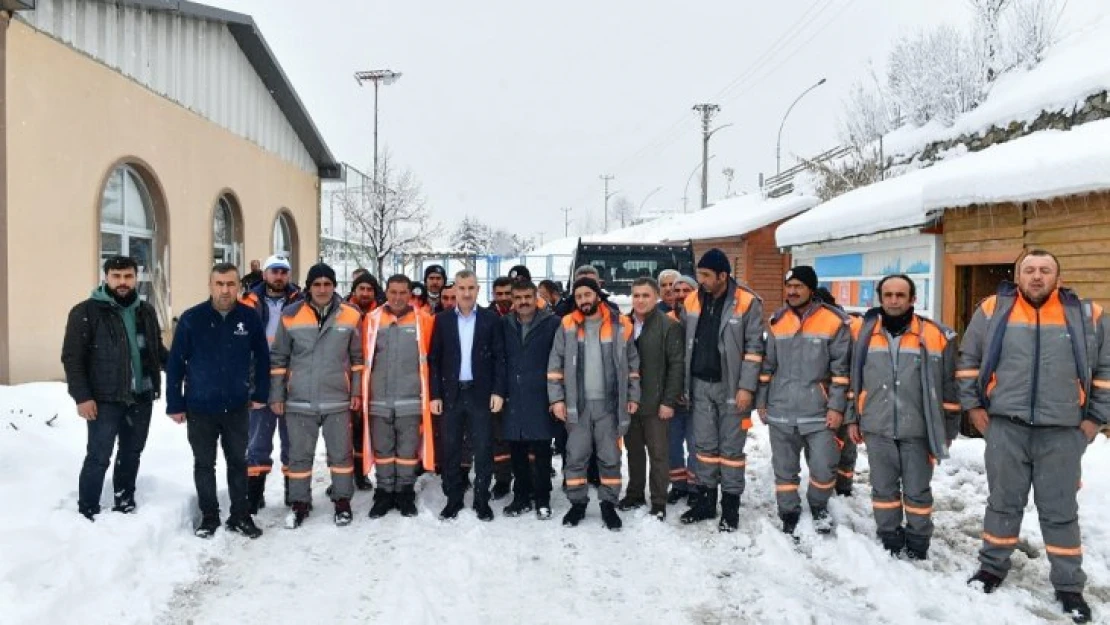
[[566, 220], [606, 178], [707, 112], [378, 77]]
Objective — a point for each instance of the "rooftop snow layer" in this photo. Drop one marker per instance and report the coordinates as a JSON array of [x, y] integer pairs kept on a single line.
[[1043, 165]]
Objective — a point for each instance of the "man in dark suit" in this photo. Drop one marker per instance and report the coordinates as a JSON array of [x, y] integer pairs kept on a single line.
[[467, 362]]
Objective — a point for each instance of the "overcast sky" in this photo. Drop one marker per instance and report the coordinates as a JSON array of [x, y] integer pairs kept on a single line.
[[509, 110]]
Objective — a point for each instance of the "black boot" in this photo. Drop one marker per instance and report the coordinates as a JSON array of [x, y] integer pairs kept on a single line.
[[125, 503], [790, 522], [482, 509], [990, 581], [675, 495], [244, 526], [822, 521], [362, 482], [256, 489], [575, 515], [343, 515], [610, 517], [297, 515], [1074, 606], [631, 503], [705, 509], [452, 509], [406, 501], [543, 509], [894, 542], [501, 489], [917, 547], [208, 526], [730, 512], [383, 503], [520, 505]]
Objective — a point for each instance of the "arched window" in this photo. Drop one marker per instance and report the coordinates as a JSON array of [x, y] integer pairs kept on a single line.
[[285, 238], [227, 242], [127, 226]]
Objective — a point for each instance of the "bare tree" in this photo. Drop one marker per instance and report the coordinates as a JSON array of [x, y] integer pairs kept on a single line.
[[934, 74], [1031, 27], [836, 177], [988, 26], [868, 112], [623, 210], [391, 216], [471, 237]]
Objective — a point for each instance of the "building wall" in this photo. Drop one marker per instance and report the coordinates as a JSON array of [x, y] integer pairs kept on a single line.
[[1076, 229], [194, 62], [756, 261], [70, 121]]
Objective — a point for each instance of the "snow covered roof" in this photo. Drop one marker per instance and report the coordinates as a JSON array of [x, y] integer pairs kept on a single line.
[[1074, 68], [738, 216], [1043, 165]]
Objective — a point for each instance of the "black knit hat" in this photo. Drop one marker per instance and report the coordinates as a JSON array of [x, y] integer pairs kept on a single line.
[[589, 283], [716, 261], [435, 269], [804, 274], [366, 278], [520, 272], [320, 270]]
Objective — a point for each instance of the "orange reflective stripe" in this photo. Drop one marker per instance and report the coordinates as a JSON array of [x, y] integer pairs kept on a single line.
[[380, 460], [765, 377], [1103, 384], [554, 375], [736, 464], [407, 462], [357, 368], [950, 406], [822, 485], [633, 375], [502, 458], [995, 540], [678, 472], [840, 380], [257, 471], [886, 505], [753, 357], [611, 481], [1063, 551], [576, 481], [967, 373], [708, 459], [342, 470], [847, 474], [298, 475], [926, 511], [785, 488], [279, 371]]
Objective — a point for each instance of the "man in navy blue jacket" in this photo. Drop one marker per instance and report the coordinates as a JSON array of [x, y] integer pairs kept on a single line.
[[221, 356], [467, 379]]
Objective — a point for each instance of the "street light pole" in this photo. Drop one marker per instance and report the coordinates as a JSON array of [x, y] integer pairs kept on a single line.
[[566, 220], [606, 178], [378, 77], [686, 190], [778, 142], [641, 208]]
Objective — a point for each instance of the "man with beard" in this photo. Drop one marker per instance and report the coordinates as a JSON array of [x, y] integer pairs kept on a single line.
[[221, 358], [803, 393], [502, 296], [527, 423], [680, 430], [905, 409], [396, 344], [447, 298], [268, 299], [593, 385], [566, 305], [724, 346], [435, 279], [1034, 376], [113, 356], [365, 291], [549, 292], [315, 380]]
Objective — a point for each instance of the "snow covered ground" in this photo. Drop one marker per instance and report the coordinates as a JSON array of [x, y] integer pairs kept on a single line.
[[55, 567]]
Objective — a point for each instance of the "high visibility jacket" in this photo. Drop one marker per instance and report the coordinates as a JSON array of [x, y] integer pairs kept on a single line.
[[316, 364]]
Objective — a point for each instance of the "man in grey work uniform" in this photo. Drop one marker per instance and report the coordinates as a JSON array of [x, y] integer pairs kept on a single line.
[[1034, 375]]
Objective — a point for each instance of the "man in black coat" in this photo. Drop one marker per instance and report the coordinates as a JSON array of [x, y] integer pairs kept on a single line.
[[467, 371], [222, 358], [113, 356], [527, 424]]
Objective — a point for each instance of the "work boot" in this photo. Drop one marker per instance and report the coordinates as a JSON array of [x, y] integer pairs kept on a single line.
[[297, 515], [822, 521], [89, 513], [125, 504], [990, 581], [705, 508], [730, 512], [790, 522], [482, 509], [452, 509], [208, 526], [519, 506], [894, 542], [573, 517], [659, 512], [543, 509], [675, 495], [500, 490], [343, 514], [406, 501], [362, 482], [917, 548], [1074, 606], [610, 517], [383, 503], [244, 526], [256, 489], [631, 503]]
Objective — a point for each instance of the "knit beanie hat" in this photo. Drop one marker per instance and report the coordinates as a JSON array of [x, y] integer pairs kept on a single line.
[[716, 261]]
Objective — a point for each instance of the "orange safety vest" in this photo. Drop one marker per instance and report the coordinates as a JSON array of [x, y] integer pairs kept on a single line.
[[423, 322]]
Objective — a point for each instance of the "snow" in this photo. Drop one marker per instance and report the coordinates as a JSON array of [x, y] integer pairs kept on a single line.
[[1042, 165], [147, 567], [1073, 69]]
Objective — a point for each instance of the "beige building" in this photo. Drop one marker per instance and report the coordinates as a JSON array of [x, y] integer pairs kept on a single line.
[[162, 130]]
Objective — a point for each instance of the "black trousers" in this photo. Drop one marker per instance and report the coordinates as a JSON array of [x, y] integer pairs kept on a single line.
[[127, 423], [230, 429], [468, 416], [532, 470]]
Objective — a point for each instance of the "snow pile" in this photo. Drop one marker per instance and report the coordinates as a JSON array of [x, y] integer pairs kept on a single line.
[[1076, 67], [1043, 165], [57, 567]]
